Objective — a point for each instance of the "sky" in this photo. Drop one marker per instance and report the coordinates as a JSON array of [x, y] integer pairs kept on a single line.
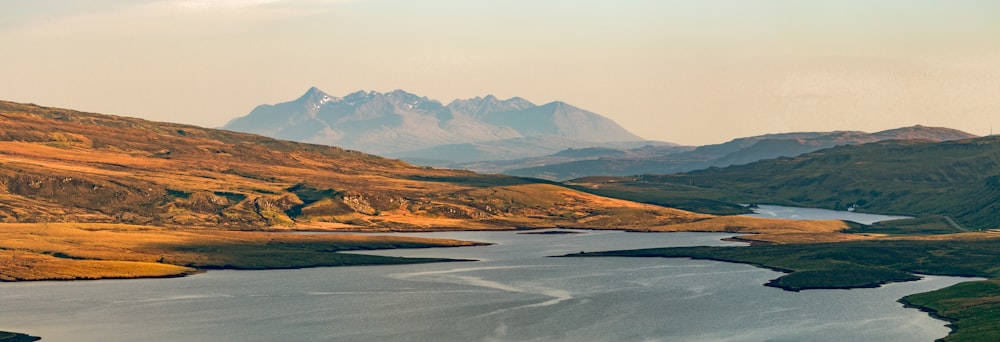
[[686, 71]]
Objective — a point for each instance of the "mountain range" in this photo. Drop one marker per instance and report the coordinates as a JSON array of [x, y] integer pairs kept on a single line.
[[671, 159], [403, 125]]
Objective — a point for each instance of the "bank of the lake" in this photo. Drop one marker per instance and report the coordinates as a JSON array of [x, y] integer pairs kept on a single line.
[[91, 251]]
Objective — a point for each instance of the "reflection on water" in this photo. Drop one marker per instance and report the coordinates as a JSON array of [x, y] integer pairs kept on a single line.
[[515, 293]]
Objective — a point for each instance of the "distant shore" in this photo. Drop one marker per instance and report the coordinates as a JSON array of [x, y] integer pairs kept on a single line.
[[17, 337]]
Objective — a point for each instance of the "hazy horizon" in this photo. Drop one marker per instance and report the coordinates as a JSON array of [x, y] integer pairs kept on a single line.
[[688, 72]]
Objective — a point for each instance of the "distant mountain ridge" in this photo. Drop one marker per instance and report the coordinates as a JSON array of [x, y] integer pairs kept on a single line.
[[480, 106], [735, 152], [397, 123], [959, 179]]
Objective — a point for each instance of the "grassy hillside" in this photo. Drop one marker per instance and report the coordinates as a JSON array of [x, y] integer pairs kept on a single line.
[[60, 165], [92, 196], [956, 179], [681, 196], [735, 152], [970, 307]]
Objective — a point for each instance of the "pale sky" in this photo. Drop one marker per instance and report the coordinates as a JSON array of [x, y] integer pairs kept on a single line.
[[692, 72]]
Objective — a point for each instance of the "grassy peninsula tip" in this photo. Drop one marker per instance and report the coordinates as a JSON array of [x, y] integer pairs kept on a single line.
[[79, 251]]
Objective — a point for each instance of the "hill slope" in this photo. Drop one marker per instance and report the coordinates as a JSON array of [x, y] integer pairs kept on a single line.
[[396, 123], [960, 179], [735, 152], [60, 165]]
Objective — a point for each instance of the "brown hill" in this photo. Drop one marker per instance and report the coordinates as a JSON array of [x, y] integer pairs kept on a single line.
[[59, 165]]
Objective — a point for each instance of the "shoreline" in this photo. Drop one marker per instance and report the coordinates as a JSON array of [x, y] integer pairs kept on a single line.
[[959, 306], [206, 269], [950, 322], [164, 276], [71, 252]]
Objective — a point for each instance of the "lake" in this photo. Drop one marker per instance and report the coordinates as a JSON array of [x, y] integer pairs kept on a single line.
[[777, 211], [515, 293]]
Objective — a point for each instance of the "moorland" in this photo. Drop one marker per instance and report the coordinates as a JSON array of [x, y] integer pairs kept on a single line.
[[91, 196]]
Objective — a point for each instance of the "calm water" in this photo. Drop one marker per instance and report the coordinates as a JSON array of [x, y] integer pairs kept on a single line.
[[515, 293]]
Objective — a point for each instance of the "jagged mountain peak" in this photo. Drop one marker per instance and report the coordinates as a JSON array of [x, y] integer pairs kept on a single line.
[[402, 93], [398, 97], [314, 91], [399, 121], [479, 106], [361, 95], [559, 106], [314, 97], [403, 98]]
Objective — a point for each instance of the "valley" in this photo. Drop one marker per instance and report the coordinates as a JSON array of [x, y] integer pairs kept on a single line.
[[670, 159], [955, 179], [393, 170], [91, 196]]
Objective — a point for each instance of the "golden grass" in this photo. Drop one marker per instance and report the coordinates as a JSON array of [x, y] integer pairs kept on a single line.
[[969, 236], [66, 251], [23, 266], [124, 170], [743, 224], [768, 230]]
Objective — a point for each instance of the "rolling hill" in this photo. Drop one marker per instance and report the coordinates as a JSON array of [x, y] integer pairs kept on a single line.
[[60, 165], [957, 179], [735, 152]]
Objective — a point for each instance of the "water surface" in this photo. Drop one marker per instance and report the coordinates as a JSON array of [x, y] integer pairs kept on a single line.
[[516, 293], [795, 213]]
